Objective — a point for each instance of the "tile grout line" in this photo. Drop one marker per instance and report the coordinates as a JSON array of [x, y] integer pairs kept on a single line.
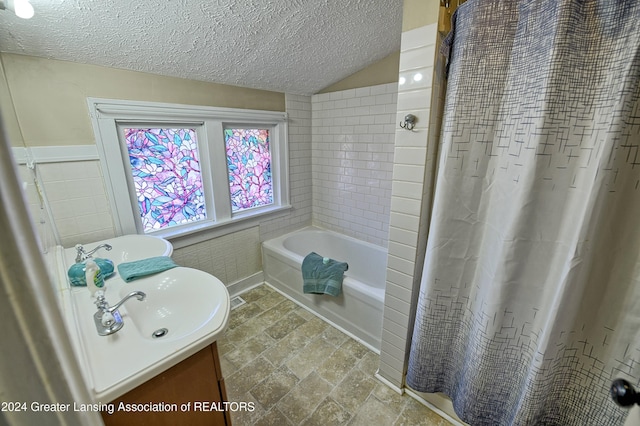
[[357, 414]]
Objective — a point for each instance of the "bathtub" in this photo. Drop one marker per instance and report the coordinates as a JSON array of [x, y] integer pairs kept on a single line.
[[358, 309]]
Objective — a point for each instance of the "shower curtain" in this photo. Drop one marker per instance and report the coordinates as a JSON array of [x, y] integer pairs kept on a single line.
[[529, 304]]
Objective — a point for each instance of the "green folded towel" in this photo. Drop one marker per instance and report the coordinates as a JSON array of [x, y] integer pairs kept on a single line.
[[322, 275], [141, 268]]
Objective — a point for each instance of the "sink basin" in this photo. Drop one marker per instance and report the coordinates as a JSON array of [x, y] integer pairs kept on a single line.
[[192, 305], [126, 248], [179, 302]]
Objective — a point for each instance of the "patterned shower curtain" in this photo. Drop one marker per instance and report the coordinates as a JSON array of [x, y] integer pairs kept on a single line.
[[530, 298]]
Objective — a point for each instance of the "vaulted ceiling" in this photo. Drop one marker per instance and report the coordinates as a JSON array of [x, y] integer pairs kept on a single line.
[[294, 46]]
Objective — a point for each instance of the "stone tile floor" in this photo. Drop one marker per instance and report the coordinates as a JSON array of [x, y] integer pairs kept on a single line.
[[299, 370]]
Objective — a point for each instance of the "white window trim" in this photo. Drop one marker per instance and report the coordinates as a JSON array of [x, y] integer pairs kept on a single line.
[[108, 115]]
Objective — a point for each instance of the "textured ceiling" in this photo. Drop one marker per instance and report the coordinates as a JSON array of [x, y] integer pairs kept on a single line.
[[294, 46]]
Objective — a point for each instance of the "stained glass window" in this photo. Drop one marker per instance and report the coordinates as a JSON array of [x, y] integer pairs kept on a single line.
[[249, 167], [166, 176], [170, 184]]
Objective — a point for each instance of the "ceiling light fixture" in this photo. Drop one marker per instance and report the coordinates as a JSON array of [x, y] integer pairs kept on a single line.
[[22, 8]]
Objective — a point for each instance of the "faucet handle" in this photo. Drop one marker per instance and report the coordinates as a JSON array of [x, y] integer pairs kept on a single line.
[[108, 319], [80, 255]]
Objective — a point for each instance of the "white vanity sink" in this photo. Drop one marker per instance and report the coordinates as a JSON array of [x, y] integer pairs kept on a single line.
[[192, 305], [179, 302]]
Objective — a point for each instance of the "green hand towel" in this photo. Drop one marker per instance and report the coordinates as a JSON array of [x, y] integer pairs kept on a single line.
[[322, 275], [141, 268]]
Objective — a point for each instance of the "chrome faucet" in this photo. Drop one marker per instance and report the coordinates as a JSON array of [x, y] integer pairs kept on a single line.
[[108, 320], [140, 295], [82, 255]]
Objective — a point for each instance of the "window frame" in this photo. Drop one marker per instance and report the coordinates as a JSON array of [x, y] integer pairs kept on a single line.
[[110, 116]]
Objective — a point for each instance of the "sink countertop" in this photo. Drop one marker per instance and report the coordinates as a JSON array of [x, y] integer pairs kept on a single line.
[[113, 365]]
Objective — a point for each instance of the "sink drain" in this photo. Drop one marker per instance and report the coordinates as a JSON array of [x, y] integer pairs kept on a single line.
[[159, 333]]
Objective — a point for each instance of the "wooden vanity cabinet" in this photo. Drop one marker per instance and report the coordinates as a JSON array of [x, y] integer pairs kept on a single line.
[[196, 379]]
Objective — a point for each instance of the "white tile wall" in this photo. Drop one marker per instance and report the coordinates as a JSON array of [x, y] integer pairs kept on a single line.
[[352, 162], [41, 221], [230, 257], [40, 218], [299, 110], [78, 201], [410, 198]]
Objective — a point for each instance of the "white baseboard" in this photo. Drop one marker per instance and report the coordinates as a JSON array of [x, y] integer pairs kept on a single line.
[[433, 407], [388, 383], [245, 284]]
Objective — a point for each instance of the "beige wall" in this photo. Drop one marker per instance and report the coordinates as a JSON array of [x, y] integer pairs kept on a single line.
[[418, 13], [382, 72], [415, 14], [8, 114], [50, 96]]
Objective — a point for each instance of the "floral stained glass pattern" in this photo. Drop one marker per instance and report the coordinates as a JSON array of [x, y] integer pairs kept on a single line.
[[249, 166], [166, 176]]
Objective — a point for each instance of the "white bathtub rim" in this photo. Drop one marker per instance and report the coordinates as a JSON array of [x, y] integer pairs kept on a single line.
[[276, 246], [314, 228], [370, 295]]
